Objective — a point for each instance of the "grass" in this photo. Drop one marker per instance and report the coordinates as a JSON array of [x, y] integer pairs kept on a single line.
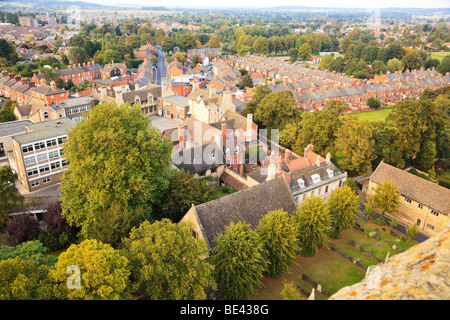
[[219, 193], [440, 55], [375, 115], [330, 269]]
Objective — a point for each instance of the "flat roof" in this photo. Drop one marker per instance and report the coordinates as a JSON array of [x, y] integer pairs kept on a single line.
[[45, 129], [73, 102], [177, 99], [13, 127]]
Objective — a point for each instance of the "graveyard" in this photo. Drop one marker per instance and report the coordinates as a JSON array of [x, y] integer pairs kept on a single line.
[[343, 264]]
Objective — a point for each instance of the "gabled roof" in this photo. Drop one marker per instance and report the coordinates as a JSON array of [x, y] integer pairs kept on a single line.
[[418, 189], [248, 206]]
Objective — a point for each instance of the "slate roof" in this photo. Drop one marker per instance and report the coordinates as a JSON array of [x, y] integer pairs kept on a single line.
[[199, 159], [248, 206]]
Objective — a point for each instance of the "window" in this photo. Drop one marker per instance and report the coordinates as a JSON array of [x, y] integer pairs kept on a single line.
[[39, 145], [60, 140], [430, 226], [28, 148], [43, 169], [326, 189], [55, 165], [318, 192], [46, 180], [29, 160], [51, 143], [46, 114], [32, 172], [34, 183], [420, 206], [408, 200], [435, 213], [41, 157], [53, 154], [340, 183]]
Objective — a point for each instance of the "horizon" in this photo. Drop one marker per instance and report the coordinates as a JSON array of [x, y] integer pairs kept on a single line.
[[254, 4]]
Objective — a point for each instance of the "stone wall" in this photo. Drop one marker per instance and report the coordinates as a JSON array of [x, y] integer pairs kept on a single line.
[[420, 273]]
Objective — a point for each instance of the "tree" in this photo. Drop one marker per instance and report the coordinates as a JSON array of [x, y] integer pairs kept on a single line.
[[180, 57], [238, 260], [373, 103], [183, 192], [186, 42], [77, 55], [293, 55], [318, 128], [393, 223], [23, 227], [165, 262], [290, 292], [426, 156], [395, 65], [411, 60], [115, 157], [113, 224], [30, 250], [279, 237], [54, 220], [355, 147], [213, 42], [343, 205], [276, 109], [444, 67], [7, 111], [246, 82], [104, 273], [313, 221], [261, 92], [261, 45], [325, 62], [379, 67], [167, 44], [24, 280], [386, 198], [10, 198], [304, 52], [412, 231]]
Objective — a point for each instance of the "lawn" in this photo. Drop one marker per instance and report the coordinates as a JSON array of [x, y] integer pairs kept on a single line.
[[221, 192], [439, 55], [375, 115], [331, 270]]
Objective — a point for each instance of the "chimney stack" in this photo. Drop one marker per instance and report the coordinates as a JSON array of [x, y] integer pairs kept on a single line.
[[287, 152], [53, 85], [224, 132], [328, 158], [181, 137], [212, 90]]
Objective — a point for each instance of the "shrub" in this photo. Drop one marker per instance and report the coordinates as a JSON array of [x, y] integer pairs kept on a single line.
[[307, 252], [23, 227], [380, 221], [50, 240]]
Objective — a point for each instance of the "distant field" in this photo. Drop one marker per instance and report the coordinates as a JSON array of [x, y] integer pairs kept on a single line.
[[376, 115], [440, 55]]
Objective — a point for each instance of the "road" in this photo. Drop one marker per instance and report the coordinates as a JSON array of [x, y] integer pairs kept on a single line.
[[162, 69]]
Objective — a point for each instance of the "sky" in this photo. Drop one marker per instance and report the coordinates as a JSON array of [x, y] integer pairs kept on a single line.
[[270, 3]]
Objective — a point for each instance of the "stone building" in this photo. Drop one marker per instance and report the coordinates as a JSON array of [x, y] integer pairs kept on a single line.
[[422, 202]]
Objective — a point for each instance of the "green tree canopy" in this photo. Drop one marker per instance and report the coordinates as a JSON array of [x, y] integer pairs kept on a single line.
[[279, 236], [313, 221], [115, 157], [104, 273], [165, 262], [343, 205], [386, 198], [239, 261]]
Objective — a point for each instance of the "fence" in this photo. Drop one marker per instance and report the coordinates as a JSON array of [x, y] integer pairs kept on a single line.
[[313, 284]]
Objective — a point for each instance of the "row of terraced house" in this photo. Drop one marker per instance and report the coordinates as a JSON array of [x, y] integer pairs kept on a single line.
[[313, 88]]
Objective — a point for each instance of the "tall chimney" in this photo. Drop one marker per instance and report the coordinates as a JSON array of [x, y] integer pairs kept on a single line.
[[181, 137], [102, 92], [328, 158], [287, 152], [224, 132], [195, 85], [212, 90], [53, 85]]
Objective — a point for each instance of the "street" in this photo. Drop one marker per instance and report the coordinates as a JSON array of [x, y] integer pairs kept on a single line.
[[161, 69]]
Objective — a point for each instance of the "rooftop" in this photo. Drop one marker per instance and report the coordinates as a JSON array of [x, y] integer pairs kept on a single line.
[[45, 130]]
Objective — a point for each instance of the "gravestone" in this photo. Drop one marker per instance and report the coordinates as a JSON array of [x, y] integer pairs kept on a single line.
[[377, 237], [361, 249], [369, 254]]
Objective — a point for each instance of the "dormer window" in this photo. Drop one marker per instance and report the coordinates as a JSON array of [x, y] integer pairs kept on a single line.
[[227, 152], [301, 183], [316, 178], [330, 173]]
